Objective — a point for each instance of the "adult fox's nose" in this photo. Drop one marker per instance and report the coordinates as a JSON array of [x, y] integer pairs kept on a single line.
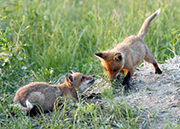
[[111, 80]]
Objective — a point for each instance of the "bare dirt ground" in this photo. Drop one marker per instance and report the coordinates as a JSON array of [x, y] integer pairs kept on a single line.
[[157, 95]]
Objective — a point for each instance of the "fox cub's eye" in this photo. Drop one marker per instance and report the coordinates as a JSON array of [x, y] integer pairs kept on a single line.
[[82, 78], [115, 70]]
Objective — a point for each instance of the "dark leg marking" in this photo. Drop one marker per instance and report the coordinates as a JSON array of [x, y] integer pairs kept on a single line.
[[34, 111], [91, 96], [157, 69], [126, 80]]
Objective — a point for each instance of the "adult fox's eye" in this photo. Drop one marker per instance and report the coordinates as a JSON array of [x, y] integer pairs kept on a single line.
[[115, 70], [105, 69], [82, 78]]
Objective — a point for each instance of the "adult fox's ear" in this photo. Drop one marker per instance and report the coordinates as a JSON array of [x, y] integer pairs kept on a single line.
[[101, 55], [118, 56]]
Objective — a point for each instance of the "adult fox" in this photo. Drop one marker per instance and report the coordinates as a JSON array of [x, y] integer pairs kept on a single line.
[[128, 54]]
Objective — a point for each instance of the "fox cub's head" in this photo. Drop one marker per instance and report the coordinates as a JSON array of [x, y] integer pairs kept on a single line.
[[79, 81], [113, 62]]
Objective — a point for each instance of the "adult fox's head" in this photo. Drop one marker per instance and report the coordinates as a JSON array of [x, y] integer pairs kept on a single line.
[[112, 61]]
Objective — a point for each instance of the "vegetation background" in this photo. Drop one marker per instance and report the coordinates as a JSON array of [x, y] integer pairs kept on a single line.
[[41, 40]]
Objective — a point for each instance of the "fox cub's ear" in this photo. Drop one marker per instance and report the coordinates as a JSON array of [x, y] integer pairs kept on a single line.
[[70, 78], [117, 56], [71, 72]]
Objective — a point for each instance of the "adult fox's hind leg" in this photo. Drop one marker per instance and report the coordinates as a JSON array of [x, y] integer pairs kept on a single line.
[[149, 58]]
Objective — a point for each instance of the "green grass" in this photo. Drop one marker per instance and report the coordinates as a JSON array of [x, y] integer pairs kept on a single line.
[[41, 40]]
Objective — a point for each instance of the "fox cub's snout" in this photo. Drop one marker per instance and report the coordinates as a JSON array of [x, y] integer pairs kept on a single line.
[[79, 81]]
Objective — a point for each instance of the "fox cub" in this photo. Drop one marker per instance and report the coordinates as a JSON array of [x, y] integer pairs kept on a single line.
[[129, 53], [46, 96]]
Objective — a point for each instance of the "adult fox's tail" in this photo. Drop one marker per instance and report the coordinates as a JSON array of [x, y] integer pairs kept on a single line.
[[144, 28]]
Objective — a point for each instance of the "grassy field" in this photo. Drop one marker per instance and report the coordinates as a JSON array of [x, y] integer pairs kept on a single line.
[[41, 40]]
